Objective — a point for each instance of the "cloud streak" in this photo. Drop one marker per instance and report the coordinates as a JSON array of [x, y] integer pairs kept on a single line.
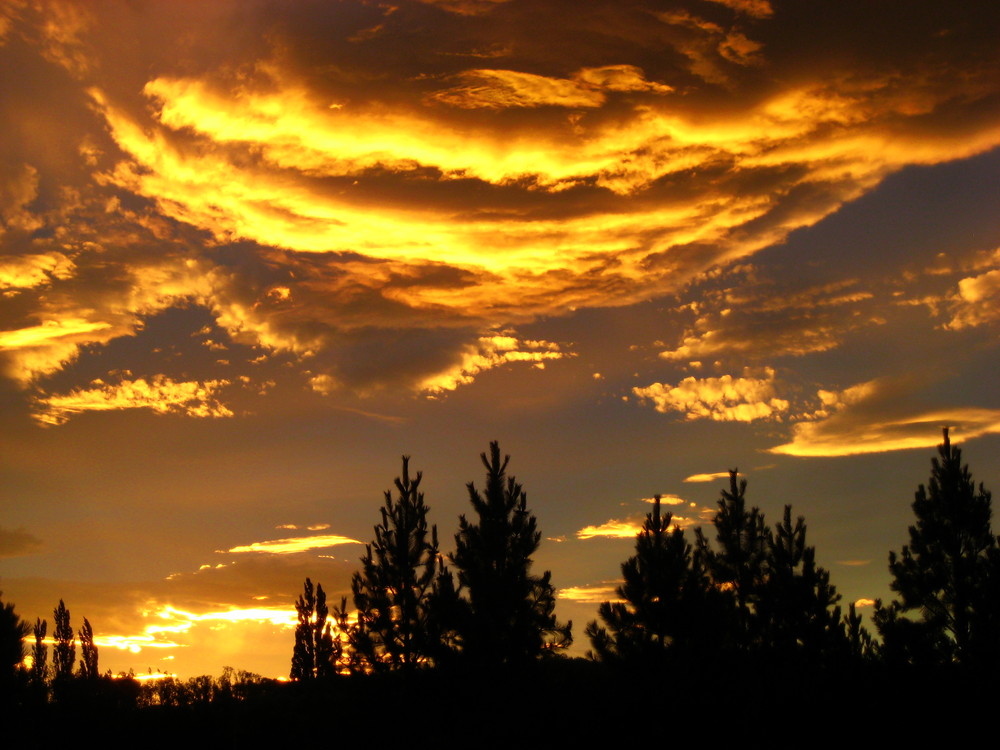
[[293, 545]]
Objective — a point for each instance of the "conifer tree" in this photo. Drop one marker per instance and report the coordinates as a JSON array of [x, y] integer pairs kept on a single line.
[[739, 565], [796, 607], [782, 603], [88, 652], [392, 591], [39, 652], [13, 631], [505, 614], [657, 603], [949, 573], [64, 651], [860, 646], [315, 653]]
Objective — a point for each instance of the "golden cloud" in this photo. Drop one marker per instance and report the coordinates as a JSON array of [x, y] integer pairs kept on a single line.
[[594, 594], [501, 89], [489, 352], [666, 499], [761, 318], [725, 398], [707, 477], [977, 301], [857, 421], [294, 544], [616, 529], [159, 394], [628, 528], [27, 271]]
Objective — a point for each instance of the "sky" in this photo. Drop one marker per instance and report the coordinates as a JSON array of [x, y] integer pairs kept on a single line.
[[252, 253]]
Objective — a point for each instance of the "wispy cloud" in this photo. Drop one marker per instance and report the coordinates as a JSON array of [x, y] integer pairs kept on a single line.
[[707, 477], [17, 542], [593, 594], [875, 416], [159, 394], [294, 544], [490, 352]]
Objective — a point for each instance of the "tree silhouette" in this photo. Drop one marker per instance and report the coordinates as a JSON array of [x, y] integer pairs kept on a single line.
[[88, 652], [13, 631], [783, 605], [316, 652], [949, 573], [392, 591], [658, 596], [739, 565], [506, 615], [796, 608], [64, 652], [39, 653]]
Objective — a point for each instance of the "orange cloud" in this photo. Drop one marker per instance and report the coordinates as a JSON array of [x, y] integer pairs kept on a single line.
[[501, 89], [707, 477], [873, 417], [754, 8], [725, 398], [594, 594], [26, 271], [628, 528], [616, 529], [295, 544], [977, 301], [159, 394], [490, 352]]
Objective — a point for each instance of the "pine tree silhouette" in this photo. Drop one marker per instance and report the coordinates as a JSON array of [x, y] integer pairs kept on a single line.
[[64, 651], [316, 651], [658, 596], [739, 565], [949, 573], [392, 591], [506, 615], [13, 631], [798, 616], [39, 653], [782, 603], [88, 652]]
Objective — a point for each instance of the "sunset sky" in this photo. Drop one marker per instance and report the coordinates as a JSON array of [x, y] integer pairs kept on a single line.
[[253, 252]]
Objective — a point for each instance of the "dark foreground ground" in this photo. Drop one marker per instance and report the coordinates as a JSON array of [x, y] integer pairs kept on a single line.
[[561, 703]]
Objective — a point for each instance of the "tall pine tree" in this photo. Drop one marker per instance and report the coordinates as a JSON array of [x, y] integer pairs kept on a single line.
[[39, 653], [782, 603], [316, 651], [739, 565], [64, 651], [797, 611], [505, 615], [949, 573], [88, 652], [392, 591], [660, 598]]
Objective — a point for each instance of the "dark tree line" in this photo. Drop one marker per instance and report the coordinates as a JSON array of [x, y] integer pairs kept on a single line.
[[412, 610], [742, 590]]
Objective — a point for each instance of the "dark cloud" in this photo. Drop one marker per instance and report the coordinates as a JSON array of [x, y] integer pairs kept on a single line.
[[16, 542]]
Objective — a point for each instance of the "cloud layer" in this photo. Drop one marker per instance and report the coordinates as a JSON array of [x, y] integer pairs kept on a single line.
[[358, 172]]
